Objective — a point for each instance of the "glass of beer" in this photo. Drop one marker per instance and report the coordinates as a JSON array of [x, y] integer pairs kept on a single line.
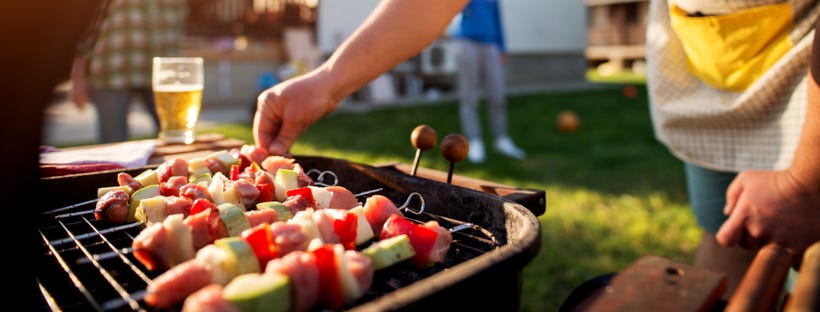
[[177, 83]]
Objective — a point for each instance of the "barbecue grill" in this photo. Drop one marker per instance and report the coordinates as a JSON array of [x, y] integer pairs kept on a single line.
[[87, 264]]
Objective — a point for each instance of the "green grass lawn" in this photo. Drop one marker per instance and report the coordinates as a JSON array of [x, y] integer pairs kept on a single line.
[[613, 191]]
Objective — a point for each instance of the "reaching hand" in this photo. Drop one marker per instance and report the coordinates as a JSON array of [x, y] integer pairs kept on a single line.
[[770, 207], [286, 110]]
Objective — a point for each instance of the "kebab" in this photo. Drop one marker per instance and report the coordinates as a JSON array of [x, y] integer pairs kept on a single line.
[[236, 176], [341, 274], [325, 276], [157, 244], [174, 285], [157, 249]]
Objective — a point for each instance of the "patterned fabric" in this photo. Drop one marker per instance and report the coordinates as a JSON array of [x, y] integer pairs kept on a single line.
[[758, 128], [131, 34]]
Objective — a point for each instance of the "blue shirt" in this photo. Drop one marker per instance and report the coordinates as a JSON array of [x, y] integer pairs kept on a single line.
[[481, 21]]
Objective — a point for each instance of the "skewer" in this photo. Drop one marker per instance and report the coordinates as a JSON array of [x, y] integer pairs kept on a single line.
[[423, 138], [454, 147], [365, 193], [320, 177]]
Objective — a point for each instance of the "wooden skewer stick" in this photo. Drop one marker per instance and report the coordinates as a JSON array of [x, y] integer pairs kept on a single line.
[[423, 138], [454, 147]]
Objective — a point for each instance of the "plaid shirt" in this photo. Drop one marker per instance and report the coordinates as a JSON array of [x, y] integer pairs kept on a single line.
[[130, 35], [758, 128]]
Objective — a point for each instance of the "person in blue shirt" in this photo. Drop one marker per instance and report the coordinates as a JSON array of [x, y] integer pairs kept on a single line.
[[478, 35]]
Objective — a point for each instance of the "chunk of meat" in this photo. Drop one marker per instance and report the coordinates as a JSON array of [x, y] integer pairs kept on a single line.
[[273, 163], [125, 179], [208, 299], [201, 227], [195, 191], [176, 166], [342, 198], [151, 247], [172, 185], [112, 207], [173, 286], [257, 217], [215, 165], [254, 153], [377, 208], [301, 268], [288, 237]]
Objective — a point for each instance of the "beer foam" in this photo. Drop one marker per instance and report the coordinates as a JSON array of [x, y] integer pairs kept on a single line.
[[178, 88]]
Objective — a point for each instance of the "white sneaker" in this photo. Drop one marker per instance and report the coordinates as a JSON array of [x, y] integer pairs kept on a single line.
[[476, 153], [505, 146]]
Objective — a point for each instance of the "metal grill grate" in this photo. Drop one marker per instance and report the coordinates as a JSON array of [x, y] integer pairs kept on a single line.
[[88, 265]]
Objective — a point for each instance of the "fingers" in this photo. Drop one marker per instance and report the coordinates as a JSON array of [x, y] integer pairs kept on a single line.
[[287, 135], [265, 123], [732, 231], [269, 129], [732, 194]]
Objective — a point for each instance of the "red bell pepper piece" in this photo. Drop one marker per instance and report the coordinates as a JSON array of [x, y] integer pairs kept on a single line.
[[422, 238], [234, 174], [265, 192], [346, 228], [305, 192], [200, 204], [331, 295], [244, 161], [261, 239]]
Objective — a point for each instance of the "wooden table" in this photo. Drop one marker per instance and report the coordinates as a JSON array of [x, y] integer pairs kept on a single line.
[[203, 145]]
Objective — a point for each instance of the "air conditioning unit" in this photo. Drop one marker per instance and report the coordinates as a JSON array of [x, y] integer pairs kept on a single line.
[[439, 58]]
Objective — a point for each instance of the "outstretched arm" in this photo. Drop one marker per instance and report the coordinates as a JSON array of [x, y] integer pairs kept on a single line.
[[394, 32]]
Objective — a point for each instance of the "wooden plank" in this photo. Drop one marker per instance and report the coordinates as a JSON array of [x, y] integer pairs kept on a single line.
[[210, 141], [806, 294], [654, 283], [762, 284]]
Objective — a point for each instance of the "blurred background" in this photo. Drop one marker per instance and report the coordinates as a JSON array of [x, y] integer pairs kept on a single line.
[[249, 45], [613, 192]]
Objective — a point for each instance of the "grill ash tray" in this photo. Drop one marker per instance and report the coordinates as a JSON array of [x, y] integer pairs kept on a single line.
[[86, 265]]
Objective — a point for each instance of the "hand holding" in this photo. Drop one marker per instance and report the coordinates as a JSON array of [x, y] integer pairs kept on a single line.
[[770, 207], [286, 110]]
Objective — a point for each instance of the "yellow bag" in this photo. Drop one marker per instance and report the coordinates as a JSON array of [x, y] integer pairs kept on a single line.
[[731, 51]]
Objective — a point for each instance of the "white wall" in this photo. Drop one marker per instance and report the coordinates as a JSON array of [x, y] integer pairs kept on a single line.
[[544, 26], [532, 26], [337, 19]]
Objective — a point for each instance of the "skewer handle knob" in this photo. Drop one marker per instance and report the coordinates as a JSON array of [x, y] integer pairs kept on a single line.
[[454, 147], [423, 138]]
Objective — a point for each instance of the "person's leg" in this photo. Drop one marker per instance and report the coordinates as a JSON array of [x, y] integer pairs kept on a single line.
[[495, 86], [467, 57], [493, 78], [707, 196], [112, 112]]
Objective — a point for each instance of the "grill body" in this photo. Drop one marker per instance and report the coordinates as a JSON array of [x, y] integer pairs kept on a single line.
[[85, 264]]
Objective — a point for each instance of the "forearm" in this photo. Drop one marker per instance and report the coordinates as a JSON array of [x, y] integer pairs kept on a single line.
[[394, 32], [806, 164]]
